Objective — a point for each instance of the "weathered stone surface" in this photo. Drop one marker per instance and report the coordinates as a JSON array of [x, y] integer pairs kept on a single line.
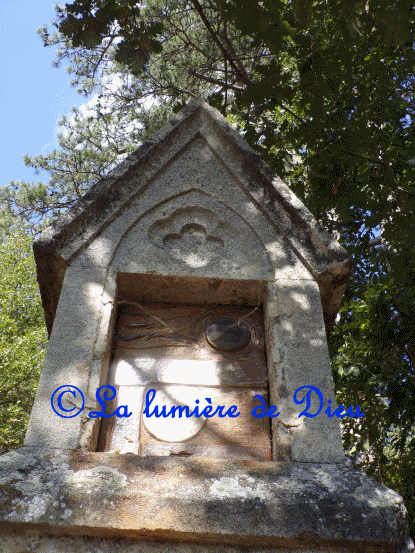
[[294, 505], [297, 355], [180, 289], [17, 543]]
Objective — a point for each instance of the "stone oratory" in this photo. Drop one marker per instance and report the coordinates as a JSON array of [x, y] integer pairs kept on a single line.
[[189, 277]]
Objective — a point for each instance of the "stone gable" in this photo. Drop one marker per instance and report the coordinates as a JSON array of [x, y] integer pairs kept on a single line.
[[199, 164]]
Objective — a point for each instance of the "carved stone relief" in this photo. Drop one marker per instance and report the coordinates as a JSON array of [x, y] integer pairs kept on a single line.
[[193, 232], [193, 235]]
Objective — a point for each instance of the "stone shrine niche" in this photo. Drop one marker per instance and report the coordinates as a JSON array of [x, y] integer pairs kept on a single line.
[[191, 269], [187, 353]]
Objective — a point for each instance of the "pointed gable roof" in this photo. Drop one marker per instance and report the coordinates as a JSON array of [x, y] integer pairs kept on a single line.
[[320, 253]]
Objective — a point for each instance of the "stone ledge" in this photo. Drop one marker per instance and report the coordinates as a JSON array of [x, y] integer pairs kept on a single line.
[[244, 503], [18, 543]]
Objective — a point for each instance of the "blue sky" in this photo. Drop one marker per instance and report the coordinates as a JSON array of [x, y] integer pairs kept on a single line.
[[33, 95]]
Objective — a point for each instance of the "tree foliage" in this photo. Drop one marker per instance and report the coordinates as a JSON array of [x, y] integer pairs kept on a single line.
[[22, 337], [324, 91]]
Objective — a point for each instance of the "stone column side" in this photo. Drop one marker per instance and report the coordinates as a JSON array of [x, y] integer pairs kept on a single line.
[[297, 355], [74, 357]]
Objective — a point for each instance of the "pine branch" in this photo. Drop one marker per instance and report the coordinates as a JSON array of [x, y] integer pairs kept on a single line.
[[214, 35]]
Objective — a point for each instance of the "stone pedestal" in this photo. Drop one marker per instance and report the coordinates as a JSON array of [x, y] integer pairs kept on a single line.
[[99, 502]]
